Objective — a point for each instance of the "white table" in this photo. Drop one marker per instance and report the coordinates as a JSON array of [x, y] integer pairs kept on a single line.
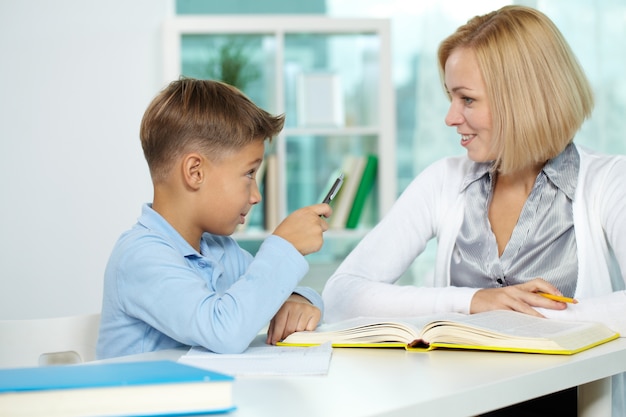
[[393, 382]]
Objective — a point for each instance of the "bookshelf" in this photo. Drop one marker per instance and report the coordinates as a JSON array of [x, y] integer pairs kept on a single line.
[[331, 77]]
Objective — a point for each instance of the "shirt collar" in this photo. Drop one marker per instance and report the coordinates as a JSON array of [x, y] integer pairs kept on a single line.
[[477, 171], [561, 170], [153, 221]]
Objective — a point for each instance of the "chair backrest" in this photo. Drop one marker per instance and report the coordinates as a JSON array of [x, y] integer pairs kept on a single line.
[[50, 341]]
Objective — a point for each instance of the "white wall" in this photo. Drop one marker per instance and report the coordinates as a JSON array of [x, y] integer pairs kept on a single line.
[[75, 78]]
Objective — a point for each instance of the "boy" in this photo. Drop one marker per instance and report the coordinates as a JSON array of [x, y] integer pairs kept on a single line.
[[177, 278]]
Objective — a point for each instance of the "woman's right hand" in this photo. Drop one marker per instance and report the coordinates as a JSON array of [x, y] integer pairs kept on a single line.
[[521, 297]]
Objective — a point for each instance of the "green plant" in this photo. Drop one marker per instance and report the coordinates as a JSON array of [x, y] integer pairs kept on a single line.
[[232, 64]]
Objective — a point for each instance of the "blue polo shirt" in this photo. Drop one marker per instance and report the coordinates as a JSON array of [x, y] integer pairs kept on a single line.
[[160, 293]]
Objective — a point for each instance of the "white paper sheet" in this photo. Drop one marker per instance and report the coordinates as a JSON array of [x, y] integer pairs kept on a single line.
[[264, 360]]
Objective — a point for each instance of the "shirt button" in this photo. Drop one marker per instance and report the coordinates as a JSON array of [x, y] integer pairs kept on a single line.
[[202, 264]]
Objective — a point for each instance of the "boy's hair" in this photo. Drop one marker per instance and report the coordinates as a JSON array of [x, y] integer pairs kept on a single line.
[[538, 93], [203, 116]]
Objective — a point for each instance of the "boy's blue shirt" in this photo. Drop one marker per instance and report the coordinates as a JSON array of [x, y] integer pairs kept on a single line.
[[160, 293]]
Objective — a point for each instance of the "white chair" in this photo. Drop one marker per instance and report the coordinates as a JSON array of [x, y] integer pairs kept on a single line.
[[49, 341]]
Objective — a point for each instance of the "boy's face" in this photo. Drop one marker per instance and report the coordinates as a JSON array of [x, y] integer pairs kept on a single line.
[[231, 189]]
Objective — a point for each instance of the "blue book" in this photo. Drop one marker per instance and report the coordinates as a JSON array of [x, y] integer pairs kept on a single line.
[[152, 388]]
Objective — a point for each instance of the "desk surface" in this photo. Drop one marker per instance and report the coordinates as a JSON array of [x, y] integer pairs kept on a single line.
[[394, 382]]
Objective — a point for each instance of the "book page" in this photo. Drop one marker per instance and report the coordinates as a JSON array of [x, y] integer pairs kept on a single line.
[[509, 329], [514, 324], [366, 330]]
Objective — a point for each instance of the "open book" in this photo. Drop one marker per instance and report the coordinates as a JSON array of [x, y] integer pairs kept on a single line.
[[494, 330]]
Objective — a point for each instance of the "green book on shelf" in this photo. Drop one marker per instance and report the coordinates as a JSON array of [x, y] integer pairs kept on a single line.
[[365, 187]]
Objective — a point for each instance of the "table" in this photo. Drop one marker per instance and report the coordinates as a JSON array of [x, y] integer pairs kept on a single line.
[[394, 382]]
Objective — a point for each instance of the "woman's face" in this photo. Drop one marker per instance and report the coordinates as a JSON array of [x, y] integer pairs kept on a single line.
[[469, 107]]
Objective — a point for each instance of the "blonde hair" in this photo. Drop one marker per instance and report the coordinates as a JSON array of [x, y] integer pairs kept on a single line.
[[204, 116], [538, 93]]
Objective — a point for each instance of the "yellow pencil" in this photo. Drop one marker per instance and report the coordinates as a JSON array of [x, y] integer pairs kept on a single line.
[[559, 298]]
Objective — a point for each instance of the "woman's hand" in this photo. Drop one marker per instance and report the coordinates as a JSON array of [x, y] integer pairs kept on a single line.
[[522, 297]]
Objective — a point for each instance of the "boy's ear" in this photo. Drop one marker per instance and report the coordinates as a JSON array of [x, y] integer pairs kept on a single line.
[[193, 170]]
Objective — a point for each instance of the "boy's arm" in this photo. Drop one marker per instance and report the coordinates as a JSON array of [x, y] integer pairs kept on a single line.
[[303, 309], [220, 302], [311, 295], [223, 313]]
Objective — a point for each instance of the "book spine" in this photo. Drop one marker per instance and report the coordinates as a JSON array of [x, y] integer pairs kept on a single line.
[[353, 167], [365, 186]]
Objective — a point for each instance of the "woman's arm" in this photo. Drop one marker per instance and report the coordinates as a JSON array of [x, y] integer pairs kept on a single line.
[[364, 284]]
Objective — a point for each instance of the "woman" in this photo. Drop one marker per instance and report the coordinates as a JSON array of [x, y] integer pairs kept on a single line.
[[526, 211]]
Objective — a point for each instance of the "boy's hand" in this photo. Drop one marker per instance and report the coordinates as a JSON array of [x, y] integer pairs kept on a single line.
[[304, 228], [521, 297], [296, 314]]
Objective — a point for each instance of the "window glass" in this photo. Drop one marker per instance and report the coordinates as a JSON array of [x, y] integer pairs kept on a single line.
[[245, 61], [593, 30]]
